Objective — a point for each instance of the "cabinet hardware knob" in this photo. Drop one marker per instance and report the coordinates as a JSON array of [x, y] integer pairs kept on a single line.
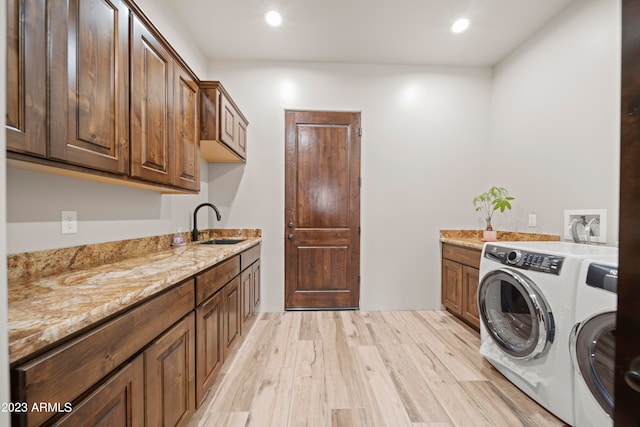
[[290, 225], [290, 236]]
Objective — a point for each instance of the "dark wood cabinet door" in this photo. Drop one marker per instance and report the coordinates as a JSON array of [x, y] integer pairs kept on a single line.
[[322, 210], [118, 402], [246, 287], [209, 344], [241, 137], [470, 281], [452, 286], [232, 315], [89, 104], [26, 119], [187, 138], [256, 286], [152, 125], [228, 119], [170, 376]]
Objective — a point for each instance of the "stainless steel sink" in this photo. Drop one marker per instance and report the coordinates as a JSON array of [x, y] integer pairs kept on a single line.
[[222, 241]]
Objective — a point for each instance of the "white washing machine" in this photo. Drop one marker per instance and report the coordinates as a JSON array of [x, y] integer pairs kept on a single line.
[[526, 301], [593, 342]]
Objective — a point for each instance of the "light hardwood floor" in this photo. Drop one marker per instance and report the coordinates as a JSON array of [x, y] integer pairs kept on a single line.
[[358, 368]]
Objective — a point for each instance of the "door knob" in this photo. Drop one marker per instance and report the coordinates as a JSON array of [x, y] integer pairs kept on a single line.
[[290, 236], [632, 376], [290, 225]]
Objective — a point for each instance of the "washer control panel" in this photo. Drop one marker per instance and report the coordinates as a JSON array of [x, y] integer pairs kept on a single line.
[[525, 260]]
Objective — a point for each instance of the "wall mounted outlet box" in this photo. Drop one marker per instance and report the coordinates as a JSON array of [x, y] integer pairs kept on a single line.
[[69, 221], [597, 218]]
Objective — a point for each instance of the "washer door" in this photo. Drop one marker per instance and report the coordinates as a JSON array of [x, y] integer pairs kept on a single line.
[[515, 314], [595, 354]]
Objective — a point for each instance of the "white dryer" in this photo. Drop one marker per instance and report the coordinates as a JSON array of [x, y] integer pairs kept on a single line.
[[526, 299], [593, 342]]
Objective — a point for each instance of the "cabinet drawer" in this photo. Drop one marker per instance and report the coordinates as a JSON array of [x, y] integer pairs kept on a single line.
[[249, 256], [466, 256], [212, 280], [67, 371]]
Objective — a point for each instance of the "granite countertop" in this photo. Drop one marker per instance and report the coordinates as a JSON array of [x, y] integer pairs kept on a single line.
[[473, 238], [45, 310]]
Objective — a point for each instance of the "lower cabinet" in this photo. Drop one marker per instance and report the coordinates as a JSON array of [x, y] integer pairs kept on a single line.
[[118, 402], [250, 285], [226, 296], [232, 316], [169, 366], [209, 345], [150, 366], [460, 278]]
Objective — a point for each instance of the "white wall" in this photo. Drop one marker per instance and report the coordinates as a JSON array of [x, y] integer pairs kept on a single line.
[[555, 119], [425, 138], [4, 347]]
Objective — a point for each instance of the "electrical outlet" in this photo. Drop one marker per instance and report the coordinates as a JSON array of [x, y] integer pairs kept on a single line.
[[69, 222], [532, 220]]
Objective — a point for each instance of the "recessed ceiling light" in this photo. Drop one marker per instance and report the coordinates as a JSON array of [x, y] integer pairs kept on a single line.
[[273, 18], [460, 25]]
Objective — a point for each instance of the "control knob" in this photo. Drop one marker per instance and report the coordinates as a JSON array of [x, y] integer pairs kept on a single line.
[[514, 256]]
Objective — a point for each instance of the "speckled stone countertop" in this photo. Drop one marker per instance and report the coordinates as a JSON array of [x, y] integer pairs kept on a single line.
[[44, 309], [473, 238]]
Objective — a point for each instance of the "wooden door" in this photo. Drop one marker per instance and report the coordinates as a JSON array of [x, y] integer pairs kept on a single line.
[[187, 135], [470, 282], [152, 124], [322, 210], [627, 400], [89, 91], [256, 286], [232, 315], [452, 285], [246, 287], [26, 122], [209, 344], [170, 376], [118, 402]]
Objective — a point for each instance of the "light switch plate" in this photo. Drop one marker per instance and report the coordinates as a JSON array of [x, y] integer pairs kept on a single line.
[[69, 221]]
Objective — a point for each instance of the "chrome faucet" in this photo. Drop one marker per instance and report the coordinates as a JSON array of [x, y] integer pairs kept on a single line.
[[194, 233]]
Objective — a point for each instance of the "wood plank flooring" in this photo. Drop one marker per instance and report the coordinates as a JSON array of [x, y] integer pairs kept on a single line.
[[356, 368]]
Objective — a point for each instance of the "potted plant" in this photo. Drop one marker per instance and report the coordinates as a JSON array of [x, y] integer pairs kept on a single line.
[[489, 202]]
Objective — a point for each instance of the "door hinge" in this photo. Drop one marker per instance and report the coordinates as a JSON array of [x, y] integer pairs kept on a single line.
[[358, 231], [359, 131], [360, 181], [358, 280]]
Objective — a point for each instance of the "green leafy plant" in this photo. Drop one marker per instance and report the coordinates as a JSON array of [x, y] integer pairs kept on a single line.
[[490, 201]]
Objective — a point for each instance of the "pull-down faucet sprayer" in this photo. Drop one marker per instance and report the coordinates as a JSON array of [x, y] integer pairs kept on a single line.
[[194, 233]]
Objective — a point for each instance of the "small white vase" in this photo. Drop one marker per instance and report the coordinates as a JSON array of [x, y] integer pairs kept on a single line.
[[489, 235]]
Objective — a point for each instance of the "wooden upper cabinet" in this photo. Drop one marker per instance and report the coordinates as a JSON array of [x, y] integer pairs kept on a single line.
[[89, 92], [26, 119], [223, 128], [152, 113], [187, 135]]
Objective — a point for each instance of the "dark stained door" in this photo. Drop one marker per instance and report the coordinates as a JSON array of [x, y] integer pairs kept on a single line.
[[322, 210], [627, 400]]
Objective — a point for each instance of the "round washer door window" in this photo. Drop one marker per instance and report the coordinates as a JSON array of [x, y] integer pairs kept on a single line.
[[515, 314], [595, 351]]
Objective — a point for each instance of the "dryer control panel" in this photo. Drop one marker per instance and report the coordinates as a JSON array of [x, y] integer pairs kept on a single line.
[[525, 260]]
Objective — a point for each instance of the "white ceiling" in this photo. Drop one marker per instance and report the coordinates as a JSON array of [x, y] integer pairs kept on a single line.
[[363, 31]]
